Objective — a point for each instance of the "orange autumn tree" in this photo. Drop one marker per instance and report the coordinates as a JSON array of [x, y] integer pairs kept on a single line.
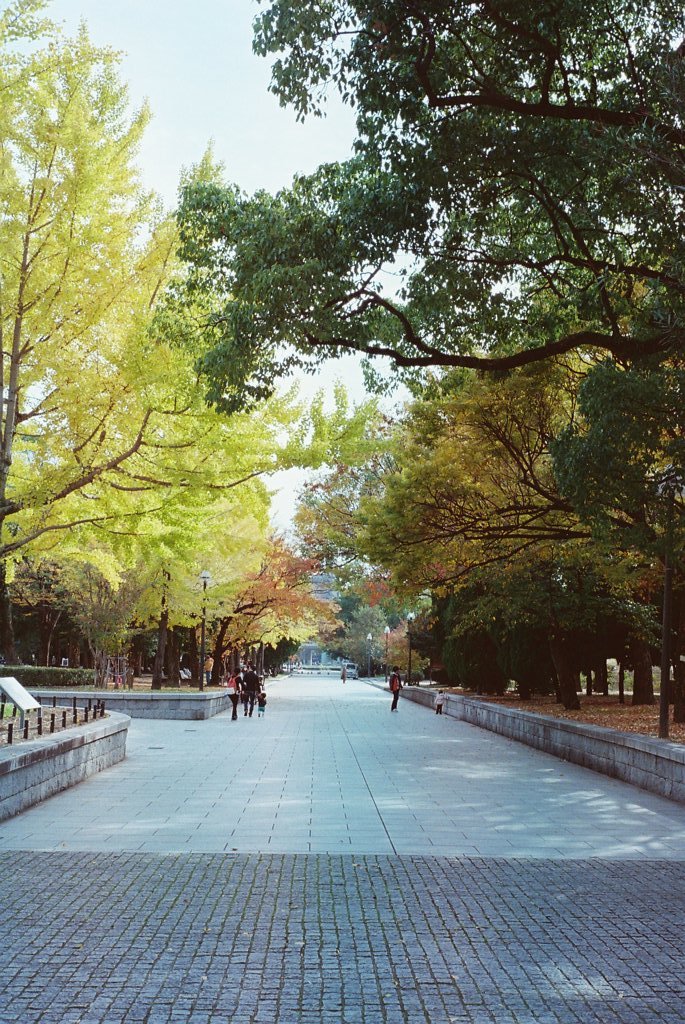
[[274, 603]]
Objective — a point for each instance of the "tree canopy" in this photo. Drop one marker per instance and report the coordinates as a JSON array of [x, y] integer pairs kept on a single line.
[[516, 193]]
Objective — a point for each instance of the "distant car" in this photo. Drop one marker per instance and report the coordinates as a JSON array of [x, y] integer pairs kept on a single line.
[[351, 669]]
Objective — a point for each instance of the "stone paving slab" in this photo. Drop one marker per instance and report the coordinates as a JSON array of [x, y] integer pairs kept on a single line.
[[292, 939], [335, 863], [331, 770]]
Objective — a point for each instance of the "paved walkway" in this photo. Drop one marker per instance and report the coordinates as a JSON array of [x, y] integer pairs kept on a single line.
[[337, 863]]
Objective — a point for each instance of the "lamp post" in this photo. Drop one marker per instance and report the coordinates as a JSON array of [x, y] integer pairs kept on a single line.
[[410, 619], [670, 484], [369, 638], [205, 577], [387, 637]]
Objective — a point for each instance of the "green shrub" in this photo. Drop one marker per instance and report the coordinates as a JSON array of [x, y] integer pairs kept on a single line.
[[38, 676]]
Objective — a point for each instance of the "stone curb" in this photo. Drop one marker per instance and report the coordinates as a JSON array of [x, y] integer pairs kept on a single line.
[[169, 706], [651, 764], [34, 770]]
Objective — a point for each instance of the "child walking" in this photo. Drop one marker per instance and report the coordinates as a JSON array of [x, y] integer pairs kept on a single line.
[[261, 703], [439, 702]]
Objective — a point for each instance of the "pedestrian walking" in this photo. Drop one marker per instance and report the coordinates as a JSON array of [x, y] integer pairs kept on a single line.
[[261, 703], [395, 684], [251, 687], [343, 674], [209, 665], [439, 702], [234, 693]]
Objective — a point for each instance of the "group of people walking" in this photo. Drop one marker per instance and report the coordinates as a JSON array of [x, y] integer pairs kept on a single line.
[[245, 687]]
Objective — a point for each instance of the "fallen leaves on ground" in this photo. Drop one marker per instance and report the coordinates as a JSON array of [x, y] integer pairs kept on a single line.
[[598, 710]]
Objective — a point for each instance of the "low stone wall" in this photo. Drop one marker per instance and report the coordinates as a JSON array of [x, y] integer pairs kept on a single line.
[[185, 706], [33, 770], [652, 764]]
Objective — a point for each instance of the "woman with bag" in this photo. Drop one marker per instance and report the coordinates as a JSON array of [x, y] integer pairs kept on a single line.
[[395, 685]]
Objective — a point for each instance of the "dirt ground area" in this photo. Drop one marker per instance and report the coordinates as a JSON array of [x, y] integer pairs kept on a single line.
[[598, 710]]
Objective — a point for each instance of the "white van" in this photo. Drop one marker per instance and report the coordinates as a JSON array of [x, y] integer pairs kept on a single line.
[[351, 670]]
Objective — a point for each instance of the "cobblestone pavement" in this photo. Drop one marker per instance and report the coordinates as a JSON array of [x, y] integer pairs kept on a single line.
[[319, 939], [202, 880]]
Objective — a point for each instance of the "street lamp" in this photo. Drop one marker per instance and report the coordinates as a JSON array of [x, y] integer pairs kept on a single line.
[[387, 637], [369, 638], [205, 577], [670, 483], [410, 618]]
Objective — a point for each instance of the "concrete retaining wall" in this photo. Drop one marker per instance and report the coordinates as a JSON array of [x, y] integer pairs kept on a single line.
[[652, 764], [32, 771], [186, 706]]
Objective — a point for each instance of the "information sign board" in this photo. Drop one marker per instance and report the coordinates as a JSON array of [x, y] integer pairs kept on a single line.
[[16, 694]]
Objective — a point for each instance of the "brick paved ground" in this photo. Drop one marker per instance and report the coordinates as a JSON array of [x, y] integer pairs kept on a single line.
[[279, 939], [386, 932]]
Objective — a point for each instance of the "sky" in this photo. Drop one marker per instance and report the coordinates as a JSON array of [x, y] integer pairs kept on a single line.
[[193, 63]]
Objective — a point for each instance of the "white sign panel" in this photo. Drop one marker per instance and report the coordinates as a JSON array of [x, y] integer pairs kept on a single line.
[[16, 694]]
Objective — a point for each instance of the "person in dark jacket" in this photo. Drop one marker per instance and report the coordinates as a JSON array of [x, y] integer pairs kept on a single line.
[[251, 687], [395, 684]]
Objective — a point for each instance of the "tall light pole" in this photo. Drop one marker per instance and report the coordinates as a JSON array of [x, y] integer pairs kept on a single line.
[[410, 619], [369, 638], [670, 484], [205, 577], [387, 637]]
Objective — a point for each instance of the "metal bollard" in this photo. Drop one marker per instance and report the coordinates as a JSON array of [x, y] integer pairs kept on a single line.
[[74, 716], [52, 722], [40, 725], [102, 709], [64, 719], [10, 733], [26, 727]]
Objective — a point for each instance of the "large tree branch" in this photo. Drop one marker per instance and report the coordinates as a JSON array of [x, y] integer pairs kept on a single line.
[[621, 347]]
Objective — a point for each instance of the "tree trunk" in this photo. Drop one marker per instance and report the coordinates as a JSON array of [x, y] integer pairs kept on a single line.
[[588, 682], [7, 647], [601, 677], [643, 685], [679, 668], [566, 674], [162, 633], [194, 658], [621, 683], [218, 653], [174, 649]]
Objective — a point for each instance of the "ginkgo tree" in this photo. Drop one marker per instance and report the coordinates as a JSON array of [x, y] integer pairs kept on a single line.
[[82, 257]]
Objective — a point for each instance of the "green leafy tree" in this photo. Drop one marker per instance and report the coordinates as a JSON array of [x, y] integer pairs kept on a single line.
[[519, 170]]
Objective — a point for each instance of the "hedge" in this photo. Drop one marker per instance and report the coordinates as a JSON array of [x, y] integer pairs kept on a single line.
[[34, 676]]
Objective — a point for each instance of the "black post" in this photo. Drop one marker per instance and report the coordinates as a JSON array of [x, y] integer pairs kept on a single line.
[[202, 636], [64, 719], [10, 733], [40, 724], [26, 727], [52, 722]]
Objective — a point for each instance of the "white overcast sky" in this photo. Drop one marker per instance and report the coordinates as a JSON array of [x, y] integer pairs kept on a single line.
[[193, 63]]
